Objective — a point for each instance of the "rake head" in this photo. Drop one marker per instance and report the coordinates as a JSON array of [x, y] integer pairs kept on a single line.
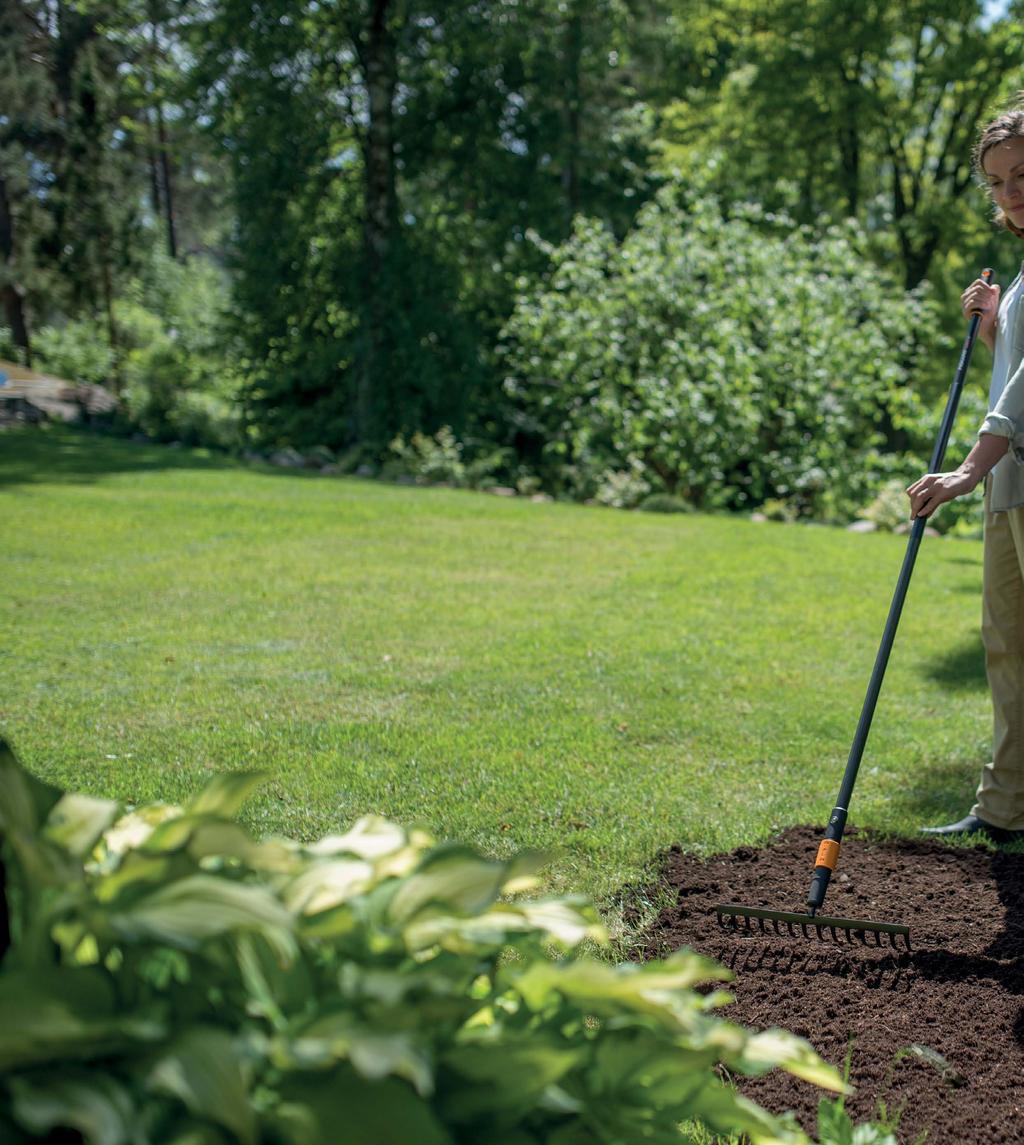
[[745, 919]]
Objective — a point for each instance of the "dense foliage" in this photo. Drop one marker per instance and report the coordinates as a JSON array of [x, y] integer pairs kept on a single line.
[[726, 359], [171, 979], [376, 192]]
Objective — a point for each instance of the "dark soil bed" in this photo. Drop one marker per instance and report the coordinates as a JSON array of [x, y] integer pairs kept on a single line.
[[958, 992]]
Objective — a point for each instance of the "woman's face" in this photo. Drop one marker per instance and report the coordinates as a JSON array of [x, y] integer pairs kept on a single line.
[[1004, 171]]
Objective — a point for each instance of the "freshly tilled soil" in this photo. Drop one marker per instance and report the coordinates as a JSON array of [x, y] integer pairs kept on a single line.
[[935, 1033]]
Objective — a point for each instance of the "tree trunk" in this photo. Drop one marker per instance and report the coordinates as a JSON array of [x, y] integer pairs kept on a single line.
[[161, 170], [849, 136], [573, 112], [165, 183], [379, 59], [12, 292]]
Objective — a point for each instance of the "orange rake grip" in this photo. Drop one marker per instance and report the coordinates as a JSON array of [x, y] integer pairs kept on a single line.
[[828, 854]]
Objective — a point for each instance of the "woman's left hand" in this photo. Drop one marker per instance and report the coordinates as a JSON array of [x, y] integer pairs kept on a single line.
[[935, 489]]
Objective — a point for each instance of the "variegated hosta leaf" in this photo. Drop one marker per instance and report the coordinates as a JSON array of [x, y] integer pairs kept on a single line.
[[133, 829], [189, 911], [375, 1053], [558, 921], [226, 793], [369, 838], [457, 878], [76, 822], [773, 1048], [661, 989], [326, 884]]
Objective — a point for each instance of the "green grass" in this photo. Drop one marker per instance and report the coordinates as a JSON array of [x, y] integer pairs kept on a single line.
[[509, 674]]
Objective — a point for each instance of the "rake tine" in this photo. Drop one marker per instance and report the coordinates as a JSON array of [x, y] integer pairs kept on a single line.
[[837, 930]]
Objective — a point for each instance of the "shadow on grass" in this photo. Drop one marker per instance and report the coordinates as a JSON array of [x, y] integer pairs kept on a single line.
[[70, 455], [941, 791], [960, 669], [55, 453]]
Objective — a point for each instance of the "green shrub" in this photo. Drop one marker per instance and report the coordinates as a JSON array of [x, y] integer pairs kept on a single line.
[[9, 350], [890, 508], [77, 351], [665, 503], [170, 980], [182, 374], [430, 458], [728, 359]]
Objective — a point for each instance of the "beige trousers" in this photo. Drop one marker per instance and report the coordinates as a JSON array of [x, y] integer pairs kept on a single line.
[[1000, 798]]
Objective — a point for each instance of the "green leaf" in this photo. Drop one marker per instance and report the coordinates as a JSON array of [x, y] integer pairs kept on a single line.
[[57, 1014], [137, 868], [201, 1069], [725, 1111], [226, 794], [375, 1053], [76, 822], [24, 800], [191, 910], [933, 1058], [197, 1133], [506, 1075], [274, 990], [342, 1106], [24, 804], [94, 1104], [780, 1048]]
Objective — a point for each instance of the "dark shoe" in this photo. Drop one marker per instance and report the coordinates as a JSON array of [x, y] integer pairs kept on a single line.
[[972, 825]]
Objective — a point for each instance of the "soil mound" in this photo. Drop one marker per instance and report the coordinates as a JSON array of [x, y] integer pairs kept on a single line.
[[956, 994]]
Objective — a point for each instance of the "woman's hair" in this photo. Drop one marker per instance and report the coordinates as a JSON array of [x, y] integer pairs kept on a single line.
[[1009, 125]]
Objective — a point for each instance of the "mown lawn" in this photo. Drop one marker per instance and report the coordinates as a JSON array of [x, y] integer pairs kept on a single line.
[[509, 674]]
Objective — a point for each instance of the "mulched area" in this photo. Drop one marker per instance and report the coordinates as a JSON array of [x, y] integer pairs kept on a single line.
[[957, 993]]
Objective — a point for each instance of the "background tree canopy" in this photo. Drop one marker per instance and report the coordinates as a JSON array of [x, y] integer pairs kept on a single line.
[[583, 240]]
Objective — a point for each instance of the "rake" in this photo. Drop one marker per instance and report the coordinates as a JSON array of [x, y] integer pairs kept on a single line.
[[744, 919]]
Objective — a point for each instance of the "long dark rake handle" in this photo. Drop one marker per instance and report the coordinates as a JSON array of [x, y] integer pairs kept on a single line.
[[828, 851]]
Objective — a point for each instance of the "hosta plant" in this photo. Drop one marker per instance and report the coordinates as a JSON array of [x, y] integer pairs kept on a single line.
[[170, 980]]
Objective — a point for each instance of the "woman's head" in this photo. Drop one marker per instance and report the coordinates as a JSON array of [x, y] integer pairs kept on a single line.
[[999, 159]]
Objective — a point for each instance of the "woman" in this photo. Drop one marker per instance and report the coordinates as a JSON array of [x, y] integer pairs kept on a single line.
[[999, 455]]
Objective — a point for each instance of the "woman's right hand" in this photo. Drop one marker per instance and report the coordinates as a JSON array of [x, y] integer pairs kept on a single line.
[[980, 298]]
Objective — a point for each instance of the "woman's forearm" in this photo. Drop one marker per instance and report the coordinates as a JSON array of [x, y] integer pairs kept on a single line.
[[988, 449], [935, 489]]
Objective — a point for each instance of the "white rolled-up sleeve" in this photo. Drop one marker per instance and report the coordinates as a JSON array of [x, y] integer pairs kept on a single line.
[[1007, 419]]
